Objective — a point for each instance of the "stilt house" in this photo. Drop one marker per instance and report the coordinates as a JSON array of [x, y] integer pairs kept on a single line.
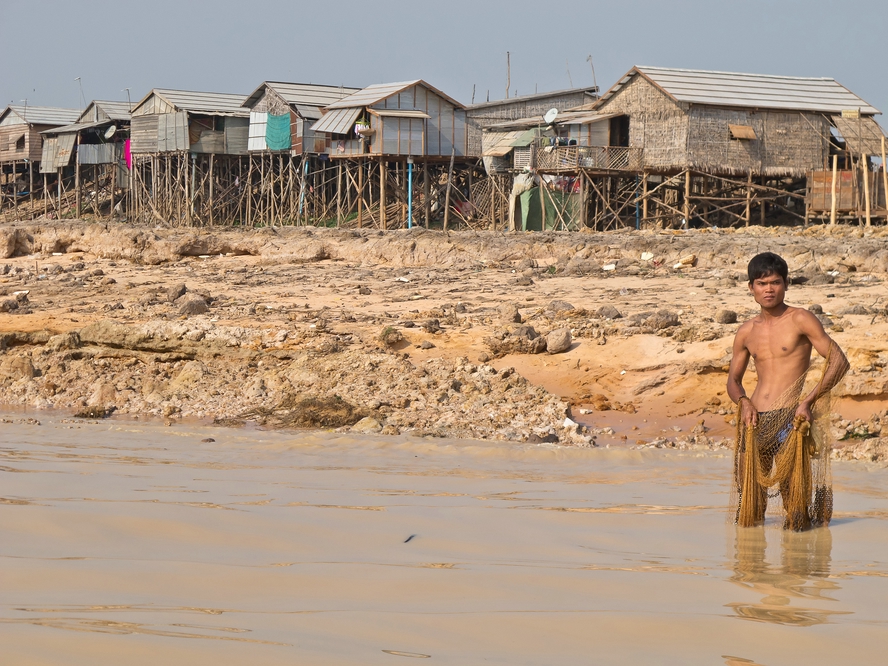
[[172, 121], [90, 137], [21, 147], [281, 116], [410, 118], [488, 113], [728, 123]]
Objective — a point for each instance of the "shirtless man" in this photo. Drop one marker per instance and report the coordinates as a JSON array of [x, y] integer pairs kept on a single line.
[[780, 339]]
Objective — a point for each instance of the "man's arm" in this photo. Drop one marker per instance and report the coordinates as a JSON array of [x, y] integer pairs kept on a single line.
[[811, 328], [739, 363]]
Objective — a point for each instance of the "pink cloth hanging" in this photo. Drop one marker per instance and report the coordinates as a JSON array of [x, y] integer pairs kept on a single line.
[[127, 155]]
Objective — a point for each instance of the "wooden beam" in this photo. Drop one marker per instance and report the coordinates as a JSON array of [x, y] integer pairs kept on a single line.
[[885, 178], [449, 185], [864, 170], [833, 203]]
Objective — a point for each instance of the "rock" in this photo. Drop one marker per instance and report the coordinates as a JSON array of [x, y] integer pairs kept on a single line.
[[98, 272], [826, 321], [524, 281], [560, 306], [364, 291], [390, 336], [104, 395], [192, 373], [526, 263], [483, 357], [109, 280], [176, 291], [525, 331], [726, 317], [431, 326], [17, 367], [408, 324], [609, 312], [509, 314], [815, 308], [854, 310], [600, 403], [548, 438], [63, 341], [367, 425], [8, 305], [460, 308], [662, 319], [193, 305], [558, 341], [426, 344]]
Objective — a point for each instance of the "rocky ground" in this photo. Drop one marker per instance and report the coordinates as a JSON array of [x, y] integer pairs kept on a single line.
[[583, 339]]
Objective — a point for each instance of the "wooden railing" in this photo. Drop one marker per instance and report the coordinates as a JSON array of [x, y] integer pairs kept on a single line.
[[606, 158]]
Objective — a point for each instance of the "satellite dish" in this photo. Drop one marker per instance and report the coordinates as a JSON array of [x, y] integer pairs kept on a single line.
[[110, 131], [550, 116]]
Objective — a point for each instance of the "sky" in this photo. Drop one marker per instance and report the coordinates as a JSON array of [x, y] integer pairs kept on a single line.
[[458, 46]]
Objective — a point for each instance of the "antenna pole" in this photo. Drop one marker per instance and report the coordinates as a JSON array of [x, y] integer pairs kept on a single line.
[[508, 73], [591, 64]]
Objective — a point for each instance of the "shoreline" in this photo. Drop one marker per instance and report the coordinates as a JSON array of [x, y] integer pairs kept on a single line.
[[427, 333]]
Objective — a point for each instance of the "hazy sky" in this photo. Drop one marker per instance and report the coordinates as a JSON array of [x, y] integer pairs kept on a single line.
[[228, 46]]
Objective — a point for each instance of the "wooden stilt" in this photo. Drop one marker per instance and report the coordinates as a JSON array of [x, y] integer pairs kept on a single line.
[[885, 179], [746, 215], [339, 195], [762, 207], [360, 193], [833, 203], [382, 215], [426, 194], [449, 185], [865, 172]]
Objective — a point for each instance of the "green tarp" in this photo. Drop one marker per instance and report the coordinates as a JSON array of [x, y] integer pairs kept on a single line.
[[277, 132], [562, 210]]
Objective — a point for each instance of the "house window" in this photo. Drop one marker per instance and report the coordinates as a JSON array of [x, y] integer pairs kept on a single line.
[[742, 132], [20, 143]]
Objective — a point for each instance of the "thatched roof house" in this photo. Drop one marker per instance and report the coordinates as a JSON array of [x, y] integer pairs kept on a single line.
[[728, 123], [176, 121], [281, 116], [410, 118]]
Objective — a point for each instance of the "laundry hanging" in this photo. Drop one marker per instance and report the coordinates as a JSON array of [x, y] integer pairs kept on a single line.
[[277, 132]]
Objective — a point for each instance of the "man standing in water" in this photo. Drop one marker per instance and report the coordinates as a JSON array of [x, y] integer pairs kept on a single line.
[[779, 340]]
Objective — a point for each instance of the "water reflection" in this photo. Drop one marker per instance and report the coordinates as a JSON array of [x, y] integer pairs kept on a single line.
[[801, 577]]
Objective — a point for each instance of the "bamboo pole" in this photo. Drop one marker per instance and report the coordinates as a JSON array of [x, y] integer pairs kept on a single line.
[[747, 215], [885, 178], [687, 198], [426, 194], [449, 185], [762, 207], [360, 193], [864, 170], [833, 203], [339, 194], [382, 212], [78, 195]]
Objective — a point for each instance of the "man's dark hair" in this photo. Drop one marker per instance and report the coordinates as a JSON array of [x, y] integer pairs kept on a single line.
[[767, 263]]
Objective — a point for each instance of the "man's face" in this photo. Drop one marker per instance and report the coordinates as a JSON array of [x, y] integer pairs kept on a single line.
[[768, 290]]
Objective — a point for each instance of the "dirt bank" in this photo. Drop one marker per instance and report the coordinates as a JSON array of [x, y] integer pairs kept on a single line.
[[426, 332]]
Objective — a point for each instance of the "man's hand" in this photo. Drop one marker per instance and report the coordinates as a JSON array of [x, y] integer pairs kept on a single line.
[[804, 410], [748, 413]]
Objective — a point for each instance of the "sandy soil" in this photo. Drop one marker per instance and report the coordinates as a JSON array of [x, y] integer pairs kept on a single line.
[[414, 331]]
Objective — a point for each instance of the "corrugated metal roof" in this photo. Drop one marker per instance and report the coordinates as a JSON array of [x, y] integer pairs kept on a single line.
[[73, 128], [498, 144], [309, 112], [582, 117], [400, 113], [591, 90], [302, 94], [338, 121], [43, 115], [749, 90], [209, 103], [380, 91], [113, 109]]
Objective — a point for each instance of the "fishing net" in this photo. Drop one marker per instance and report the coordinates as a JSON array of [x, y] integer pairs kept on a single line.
[[785, 456]]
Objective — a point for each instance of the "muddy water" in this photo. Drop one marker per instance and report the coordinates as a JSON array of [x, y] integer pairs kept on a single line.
[[122, 542]]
